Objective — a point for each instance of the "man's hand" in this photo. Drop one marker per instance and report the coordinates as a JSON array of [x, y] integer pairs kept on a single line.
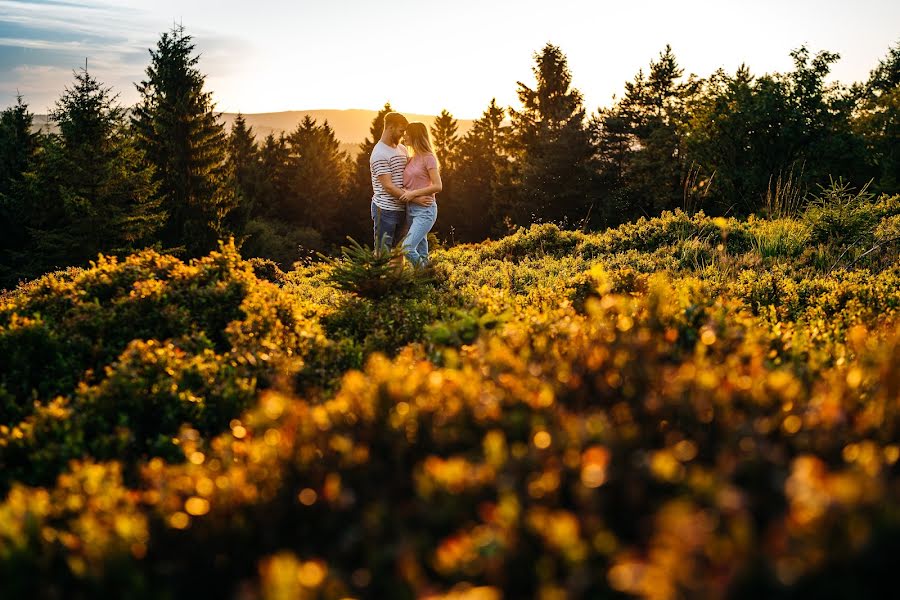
[[422, 200], [408, 195]]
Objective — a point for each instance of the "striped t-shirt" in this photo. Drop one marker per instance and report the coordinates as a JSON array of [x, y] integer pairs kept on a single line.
[[387, 161]]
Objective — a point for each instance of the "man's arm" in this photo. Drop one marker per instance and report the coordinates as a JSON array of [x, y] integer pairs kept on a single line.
[[389, 186]]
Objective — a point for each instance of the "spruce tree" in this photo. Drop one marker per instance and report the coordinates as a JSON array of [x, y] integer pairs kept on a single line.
[[275, 182], [184, 139], [481, 178], [18, 146], [445, 139], [319, 170], [244, 161], [640, 142], [551, 146], [93, 191]]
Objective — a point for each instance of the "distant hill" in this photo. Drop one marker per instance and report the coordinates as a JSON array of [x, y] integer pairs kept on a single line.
[[351, 126]]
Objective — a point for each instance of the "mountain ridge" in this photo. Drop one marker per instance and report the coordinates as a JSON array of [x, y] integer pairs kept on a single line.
[[351, 126]]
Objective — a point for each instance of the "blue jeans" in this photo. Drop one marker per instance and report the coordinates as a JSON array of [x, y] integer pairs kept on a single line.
[[421, 220], [387, 226]]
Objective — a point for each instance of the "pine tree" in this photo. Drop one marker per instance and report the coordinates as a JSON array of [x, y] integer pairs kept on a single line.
[[93, 191], [18, 146], [445, 140], [319, 171], [640, 141], [184, 139], [551, 146], [244, 160], [275, 178], [481, 178]]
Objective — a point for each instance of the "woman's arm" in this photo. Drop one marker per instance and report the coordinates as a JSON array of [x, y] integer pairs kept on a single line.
[[435, 187], [390, 188]]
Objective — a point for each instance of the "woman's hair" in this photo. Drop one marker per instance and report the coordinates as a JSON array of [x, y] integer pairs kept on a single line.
[[418, 138]]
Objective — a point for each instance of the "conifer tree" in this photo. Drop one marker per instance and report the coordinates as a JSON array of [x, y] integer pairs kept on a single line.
[[640, 141], [93, 191], [551, 146], [445, 139], [18, 146], [274, 185], [481, 178], [184, 139], [244, 160], [319, 170]]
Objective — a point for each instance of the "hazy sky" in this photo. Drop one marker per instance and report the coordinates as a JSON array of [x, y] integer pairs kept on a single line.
[[421, 55]]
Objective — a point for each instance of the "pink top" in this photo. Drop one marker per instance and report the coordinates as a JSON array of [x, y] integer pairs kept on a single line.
[[415, 176]]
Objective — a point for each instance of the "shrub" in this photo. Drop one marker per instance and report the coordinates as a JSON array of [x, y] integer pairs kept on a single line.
[[371, 274], [839, 216], [129, 351]]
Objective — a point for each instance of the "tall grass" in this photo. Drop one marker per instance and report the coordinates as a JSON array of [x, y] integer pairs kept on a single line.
[[780, 238], [785, 196]]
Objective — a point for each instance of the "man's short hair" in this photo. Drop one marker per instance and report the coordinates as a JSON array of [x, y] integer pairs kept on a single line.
[[392, 119]]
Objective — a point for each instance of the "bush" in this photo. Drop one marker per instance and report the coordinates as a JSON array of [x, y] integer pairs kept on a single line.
[[648, 411], [840, 217], [129, 351], [375, 275]]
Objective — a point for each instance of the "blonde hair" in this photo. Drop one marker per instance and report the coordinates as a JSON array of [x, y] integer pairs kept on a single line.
[[418, 139]]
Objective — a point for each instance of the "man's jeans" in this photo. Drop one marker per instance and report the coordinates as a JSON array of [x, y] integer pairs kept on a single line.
[[421, 220], [387, 226]]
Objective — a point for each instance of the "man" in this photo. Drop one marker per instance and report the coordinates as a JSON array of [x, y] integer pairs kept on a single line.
[[387, 163]]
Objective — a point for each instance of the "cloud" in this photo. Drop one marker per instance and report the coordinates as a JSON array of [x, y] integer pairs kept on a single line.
[[42, 41]]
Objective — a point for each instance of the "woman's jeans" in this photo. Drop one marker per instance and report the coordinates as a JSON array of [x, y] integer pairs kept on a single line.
[[421, 220], [387, 225]]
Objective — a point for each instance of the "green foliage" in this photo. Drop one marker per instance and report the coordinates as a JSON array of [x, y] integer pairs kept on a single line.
[[244, 163], [125, 352], [553, 167], [780, 238], [481, 179], [319, 170], [17, 146], [375, 275], [95, 191], [840, 216], [547, 392], [461, 327], [281, 242], [446, 142], [182, 138]]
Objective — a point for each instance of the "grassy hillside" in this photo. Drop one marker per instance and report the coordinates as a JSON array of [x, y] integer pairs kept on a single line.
[[681, 407]]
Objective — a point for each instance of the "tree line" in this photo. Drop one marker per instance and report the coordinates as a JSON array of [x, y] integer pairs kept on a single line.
[[166, 174]]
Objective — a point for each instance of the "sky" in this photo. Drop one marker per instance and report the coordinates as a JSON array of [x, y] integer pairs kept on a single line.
[[422, 55]]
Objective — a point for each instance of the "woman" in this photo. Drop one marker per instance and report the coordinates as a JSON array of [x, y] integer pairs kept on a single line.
[[421, 180]]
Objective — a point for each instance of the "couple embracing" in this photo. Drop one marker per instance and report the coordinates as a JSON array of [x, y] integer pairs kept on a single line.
[[405, 179]]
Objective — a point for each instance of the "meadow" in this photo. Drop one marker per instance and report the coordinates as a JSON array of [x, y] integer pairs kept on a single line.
[[679, 407]]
